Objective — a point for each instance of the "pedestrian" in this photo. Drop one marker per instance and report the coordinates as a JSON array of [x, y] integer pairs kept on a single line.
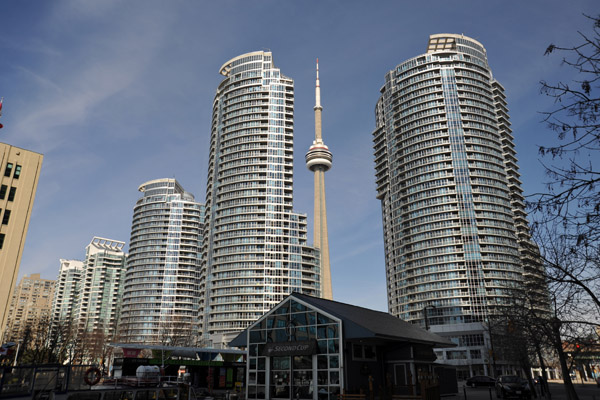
[[540, 380]]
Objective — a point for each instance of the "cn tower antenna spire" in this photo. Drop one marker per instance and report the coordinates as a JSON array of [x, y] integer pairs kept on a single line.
[[318, 160], [318, 89]]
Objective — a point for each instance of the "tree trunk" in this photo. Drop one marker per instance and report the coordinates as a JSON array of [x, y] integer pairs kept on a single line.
[[568, 384], [544, 380], [526, 367]]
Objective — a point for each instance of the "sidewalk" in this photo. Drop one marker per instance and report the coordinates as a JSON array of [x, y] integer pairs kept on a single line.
[[585, 391]]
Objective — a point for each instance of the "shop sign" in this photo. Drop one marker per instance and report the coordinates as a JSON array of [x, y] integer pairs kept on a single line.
[[303, 348], [131, 353]]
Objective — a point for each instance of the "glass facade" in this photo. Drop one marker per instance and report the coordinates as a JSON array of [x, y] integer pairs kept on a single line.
[[161, 292], [100, 287], [455, 229], [254, 250], [301, 375], [65, 294]]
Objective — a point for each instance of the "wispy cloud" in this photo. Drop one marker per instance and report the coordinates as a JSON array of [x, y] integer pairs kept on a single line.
[[30, 45], [41, 81], [104, 64]]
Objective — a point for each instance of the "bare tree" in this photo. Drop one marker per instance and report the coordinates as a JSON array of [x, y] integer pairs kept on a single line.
[[567, 226], [518, 330], [574, 284], [176, 331], [573, 195]]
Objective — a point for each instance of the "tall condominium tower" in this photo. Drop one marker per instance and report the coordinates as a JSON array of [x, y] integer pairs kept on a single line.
[[254, 248], [161, 295], [455, 232], [318, 160], [30, 306], [100, 288], [65, 293], [19, 175]]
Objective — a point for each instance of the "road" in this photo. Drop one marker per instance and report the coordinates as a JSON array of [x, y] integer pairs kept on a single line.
[[585, 392]]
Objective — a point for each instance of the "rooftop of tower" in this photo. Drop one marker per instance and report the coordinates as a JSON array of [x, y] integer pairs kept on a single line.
[[245, 58], [449, 41], [106, 244], [162, 182]]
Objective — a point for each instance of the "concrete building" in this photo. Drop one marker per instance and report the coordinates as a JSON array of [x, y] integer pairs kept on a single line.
[[318, 160], [66, 292], [455, 229], [161, 297], [254, 249], [101, 287], [30, 306], [19, 175]]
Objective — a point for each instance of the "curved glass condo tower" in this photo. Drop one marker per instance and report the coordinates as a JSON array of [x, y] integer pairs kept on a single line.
[[455, 232], [255, 245], [161, 293]]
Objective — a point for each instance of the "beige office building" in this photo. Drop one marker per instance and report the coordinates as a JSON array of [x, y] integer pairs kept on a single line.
[[31, 305], [19, 175]]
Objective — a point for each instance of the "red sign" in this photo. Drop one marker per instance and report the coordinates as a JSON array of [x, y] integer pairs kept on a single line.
[[210, 378], [222, 377], [131, 353]]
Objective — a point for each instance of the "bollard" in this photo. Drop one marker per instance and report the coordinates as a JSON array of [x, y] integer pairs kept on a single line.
[[465, 391], [490, 393]]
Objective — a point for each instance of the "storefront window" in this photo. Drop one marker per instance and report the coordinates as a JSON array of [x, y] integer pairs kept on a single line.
[[322, 362], [302, 362], [257, 336], [297, 307], [334, 362], [327, 331]]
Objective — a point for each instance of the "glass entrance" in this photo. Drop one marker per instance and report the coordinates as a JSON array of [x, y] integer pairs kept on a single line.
[[280, 377], [291, 378]]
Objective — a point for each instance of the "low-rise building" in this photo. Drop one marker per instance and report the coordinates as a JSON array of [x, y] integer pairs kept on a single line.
[[312, 348]]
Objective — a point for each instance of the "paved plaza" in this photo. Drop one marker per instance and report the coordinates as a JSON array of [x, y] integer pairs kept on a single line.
[[586, 391]]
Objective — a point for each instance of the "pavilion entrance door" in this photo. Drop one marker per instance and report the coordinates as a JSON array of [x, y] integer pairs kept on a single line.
[[291, 378]]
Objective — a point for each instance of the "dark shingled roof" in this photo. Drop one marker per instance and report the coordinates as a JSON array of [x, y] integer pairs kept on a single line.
[[363, 323]]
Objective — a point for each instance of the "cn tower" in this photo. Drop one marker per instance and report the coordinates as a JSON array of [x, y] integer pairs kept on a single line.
[[318, 160]]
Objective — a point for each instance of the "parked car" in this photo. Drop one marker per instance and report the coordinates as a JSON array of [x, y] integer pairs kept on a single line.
[[480, 380], [511, 386]]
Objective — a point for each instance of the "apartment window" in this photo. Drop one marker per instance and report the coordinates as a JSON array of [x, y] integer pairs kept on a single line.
[[475, 354], [11, 194], [8, 169], [6, 217], [17, 171], [456, 355], [3, 189], [2, 235]]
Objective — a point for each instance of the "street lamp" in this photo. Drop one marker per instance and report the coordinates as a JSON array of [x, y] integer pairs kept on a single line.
[[426, 316], [17, 352], [167, 343]]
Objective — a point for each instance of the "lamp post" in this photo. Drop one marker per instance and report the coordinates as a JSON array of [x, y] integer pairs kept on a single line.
[[167, 343], [17, 352]]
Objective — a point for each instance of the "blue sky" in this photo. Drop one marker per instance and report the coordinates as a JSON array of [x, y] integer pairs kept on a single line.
[[116, 93]]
